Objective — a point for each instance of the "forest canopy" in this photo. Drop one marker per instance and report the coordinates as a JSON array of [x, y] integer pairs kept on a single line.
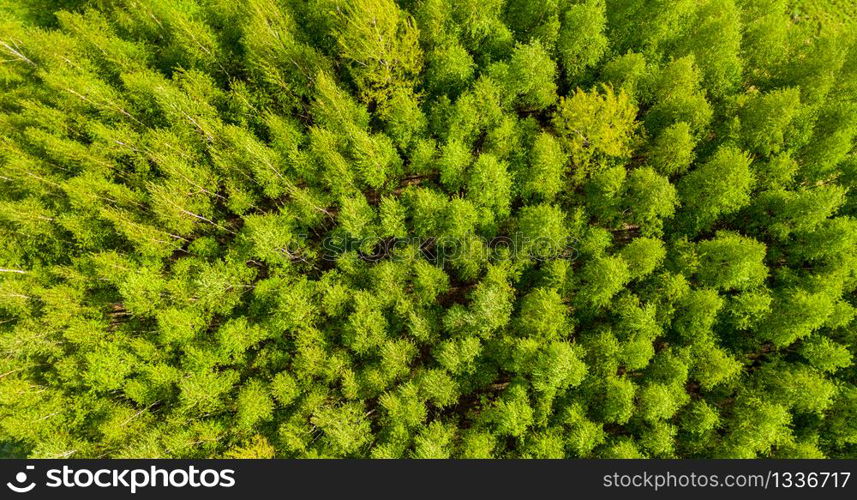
[[428, 228]]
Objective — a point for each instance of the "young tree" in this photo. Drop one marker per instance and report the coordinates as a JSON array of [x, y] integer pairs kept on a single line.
[[489, 187], [381, 43], [643, 256], [719, 187], [602, 278], [582, 42], [671, 151], [546, 176], [543, 232], [543, 315], [595, 127], [530, 77], [650, 198], [731, 262]]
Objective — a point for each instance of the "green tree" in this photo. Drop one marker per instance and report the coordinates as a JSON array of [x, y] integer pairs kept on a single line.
[[428, 229], [380, 41], [595, 127], [719, 187], [582, 42]]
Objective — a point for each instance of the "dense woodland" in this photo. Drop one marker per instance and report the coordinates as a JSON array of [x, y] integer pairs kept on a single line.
[[428, 228]]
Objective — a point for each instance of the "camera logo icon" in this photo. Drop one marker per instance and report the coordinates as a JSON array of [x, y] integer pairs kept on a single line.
[[20, 479]]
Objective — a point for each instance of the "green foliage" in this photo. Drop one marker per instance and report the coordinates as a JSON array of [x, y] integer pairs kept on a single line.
[[595, 127], [345, 428], [614, 400], [825, 354], [671, 151], [731, 262], [428, 229], [602, 278], [717, 188], [542, 314], [582, 43], [649, 198], [543, 231], [530, 77], [545, 178], [380, 44], [643, 256]]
